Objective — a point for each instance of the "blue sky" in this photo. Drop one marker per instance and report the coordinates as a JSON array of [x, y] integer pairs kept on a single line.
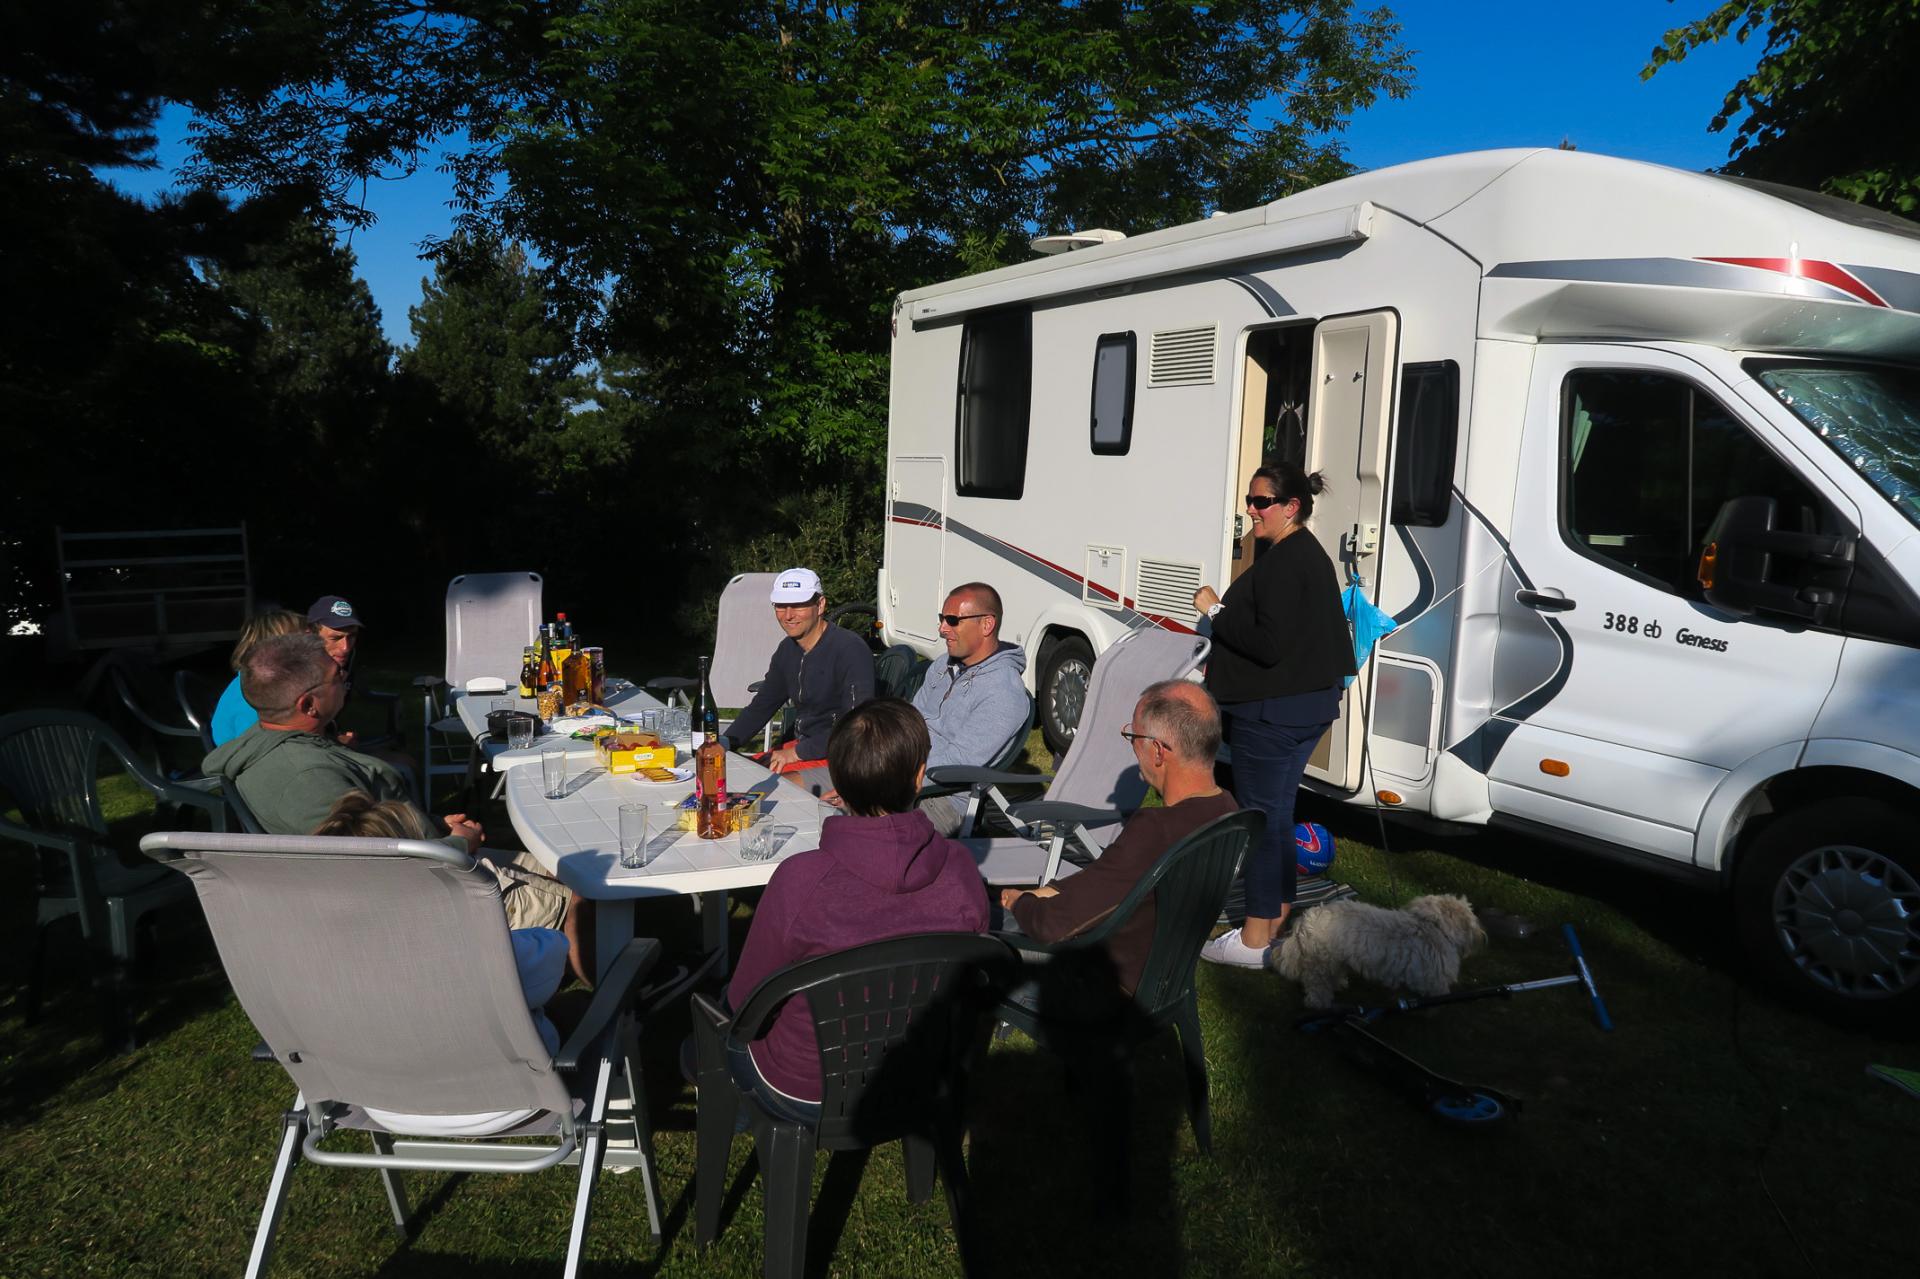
[[1488, 73]]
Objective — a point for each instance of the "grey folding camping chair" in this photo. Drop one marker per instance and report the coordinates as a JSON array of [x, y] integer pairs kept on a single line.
[[744, 638], [50, 771], [1098, 785], [491, 618], [381, 975]]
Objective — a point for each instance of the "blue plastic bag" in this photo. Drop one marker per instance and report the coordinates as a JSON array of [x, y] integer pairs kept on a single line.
[[1366, 623]]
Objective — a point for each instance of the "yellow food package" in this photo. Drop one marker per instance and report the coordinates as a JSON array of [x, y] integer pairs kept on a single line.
[[628, 750], [742, 811]]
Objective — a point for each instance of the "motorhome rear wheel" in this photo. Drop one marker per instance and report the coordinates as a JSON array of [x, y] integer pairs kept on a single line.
[[1063, 690], [1828, 898]]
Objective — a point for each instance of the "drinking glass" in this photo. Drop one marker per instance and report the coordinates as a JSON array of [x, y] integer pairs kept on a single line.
[[520, 732], [501, 705], [648, 720], [634, 854], [553, 771], [756, 842]]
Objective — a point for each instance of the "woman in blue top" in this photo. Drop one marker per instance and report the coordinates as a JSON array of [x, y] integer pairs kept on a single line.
[[232, 716]]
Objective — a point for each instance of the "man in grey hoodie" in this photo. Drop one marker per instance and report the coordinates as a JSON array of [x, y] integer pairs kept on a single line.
[[974, 702], [290, 772]]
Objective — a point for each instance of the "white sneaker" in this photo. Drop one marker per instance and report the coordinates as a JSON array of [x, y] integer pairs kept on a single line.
[[1228, 949]]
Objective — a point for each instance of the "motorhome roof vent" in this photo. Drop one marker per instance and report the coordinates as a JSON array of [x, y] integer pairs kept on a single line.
[[1182, 357], [1075, 240]]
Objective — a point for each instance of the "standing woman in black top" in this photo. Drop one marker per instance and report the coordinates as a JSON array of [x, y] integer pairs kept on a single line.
[[1280, 656]]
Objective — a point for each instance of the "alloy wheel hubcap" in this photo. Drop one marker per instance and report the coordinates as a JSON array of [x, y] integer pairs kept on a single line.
[[1068, 696], [1849, 919]]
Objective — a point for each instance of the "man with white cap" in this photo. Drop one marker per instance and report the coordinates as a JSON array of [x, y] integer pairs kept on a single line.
[[823, 670]]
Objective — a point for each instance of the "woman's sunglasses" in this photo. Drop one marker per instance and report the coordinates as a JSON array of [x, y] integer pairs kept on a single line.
[[1260, 501]]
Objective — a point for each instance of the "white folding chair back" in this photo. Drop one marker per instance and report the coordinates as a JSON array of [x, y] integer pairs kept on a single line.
[[744, 638], [491, 618], [1099, 770]]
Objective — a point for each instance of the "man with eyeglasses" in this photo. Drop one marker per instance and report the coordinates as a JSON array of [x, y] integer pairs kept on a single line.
[[290, 773], [824, 670], [974, 702], [1175, 734]]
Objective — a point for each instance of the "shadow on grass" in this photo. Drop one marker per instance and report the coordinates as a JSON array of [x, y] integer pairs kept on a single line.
[[1038, 1196]]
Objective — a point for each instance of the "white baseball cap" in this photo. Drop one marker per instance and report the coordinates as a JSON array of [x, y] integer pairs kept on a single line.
[[795, 586]]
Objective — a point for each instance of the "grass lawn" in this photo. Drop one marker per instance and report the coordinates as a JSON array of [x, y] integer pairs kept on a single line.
[[1713, 1133]]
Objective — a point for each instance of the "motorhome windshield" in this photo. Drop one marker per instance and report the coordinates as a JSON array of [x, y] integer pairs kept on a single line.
[[1869, 414]]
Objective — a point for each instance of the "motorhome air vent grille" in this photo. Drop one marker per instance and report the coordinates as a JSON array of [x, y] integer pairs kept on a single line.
[[1182, 357], [1166, 587]]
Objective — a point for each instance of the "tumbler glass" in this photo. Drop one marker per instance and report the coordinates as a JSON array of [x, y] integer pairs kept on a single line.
[[520, 732], [634, 853], [553, 771], [756, 842]]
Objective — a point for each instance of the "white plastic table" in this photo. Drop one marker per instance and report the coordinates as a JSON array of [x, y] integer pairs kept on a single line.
[[577, 838]]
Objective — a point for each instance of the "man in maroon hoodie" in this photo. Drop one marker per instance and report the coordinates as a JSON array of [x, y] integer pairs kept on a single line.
[[880, 872]]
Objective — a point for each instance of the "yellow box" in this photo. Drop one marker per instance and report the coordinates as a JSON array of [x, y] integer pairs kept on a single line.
[[628, 750], [742, 812]]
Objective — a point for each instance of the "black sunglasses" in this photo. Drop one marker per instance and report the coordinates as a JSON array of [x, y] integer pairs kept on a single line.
[[1260, 501], [954, 619]]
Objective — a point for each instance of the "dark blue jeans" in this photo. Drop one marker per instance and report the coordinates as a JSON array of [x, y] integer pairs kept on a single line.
[[1268, 762]]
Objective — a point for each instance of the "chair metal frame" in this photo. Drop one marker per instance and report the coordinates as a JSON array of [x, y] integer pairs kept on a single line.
[[1054, 821], [605, 1043], [442, 731]]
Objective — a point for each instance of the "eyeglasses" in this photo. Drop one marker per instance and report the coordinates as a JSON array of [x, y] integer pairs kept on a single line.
[[1133, 738], [954, 619], [1260, 501]]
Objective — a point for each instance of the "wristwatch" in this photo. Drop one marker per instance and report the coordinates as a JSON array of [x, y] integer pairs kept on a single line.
[[1213, 610]]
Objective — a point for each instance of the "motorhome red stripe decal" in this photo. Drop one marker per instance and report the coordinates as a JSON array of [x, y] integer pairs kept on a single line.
[[1165, 623], [1827, 273]]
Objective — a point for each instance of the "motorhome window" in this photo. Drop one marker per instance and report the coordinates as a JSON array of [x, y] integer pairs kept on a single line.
[[1868, 414], [1424, 442], [1647, 460], [996, 394], [1113, 393]]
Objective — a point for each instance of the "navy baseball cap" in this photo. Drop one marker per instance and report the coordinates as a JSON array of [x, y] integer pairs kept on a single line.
[[331, 610]]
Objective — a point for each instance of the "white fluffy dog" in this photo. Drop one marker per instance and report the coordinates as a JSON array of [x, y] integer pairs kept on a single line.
[[1417, 949]]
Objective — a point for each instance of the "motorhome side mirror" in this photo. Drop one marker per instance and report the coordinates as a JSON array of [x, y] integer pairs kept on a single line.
[[1744, 557]]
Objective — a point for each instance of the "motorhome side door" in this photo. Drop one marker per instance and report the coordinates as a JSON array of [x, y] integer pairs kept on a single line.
[[1620, 698], [1349, 418]]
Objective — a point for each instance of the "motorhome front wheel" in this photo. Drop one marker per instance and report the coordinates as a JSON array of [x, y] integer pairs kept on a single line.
[[1063, 690], [1828, 898]]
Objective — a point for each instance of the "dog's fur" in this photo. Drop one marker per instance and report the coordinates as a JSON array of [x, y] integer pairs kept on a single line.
[[1417, 949]]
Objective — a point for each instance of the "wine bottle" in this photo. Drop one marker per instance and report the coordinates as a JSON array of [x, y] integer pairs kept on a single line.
[[545, 673], [529, 670], [703, 708]]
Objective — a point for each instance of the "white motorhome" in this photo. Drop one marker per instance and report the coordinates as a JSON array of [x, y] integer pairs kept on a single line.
[[1552, 394]]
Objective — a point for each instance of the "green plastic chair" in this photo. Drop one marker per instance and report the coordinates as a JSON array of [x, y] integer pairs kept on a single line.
[[49, 766], [1083, 1015]]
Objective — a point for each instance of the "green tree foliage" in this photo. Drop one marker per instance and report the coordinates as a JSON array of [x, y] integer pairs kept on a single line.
[[1820, 109]]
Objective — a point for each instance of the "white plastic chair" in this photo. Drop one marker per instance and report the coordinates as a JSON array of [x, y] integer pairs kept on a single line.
[[491, 618]]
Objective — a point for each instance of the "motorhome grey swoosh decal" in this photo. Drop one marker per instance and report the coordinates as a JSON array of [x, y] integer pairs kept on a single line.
[[1680, 272], [1480, 747], [1423, 593], [1900, 289], [1264, 294], [1064, 578], [914, 513]]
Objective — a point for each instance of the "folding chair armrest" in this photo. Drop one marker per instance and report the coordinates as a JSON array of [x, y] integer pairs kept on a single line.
[[613, 994], [263, 1051], [125, 693], [1057, 810], [428, 681], [965, 776]]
